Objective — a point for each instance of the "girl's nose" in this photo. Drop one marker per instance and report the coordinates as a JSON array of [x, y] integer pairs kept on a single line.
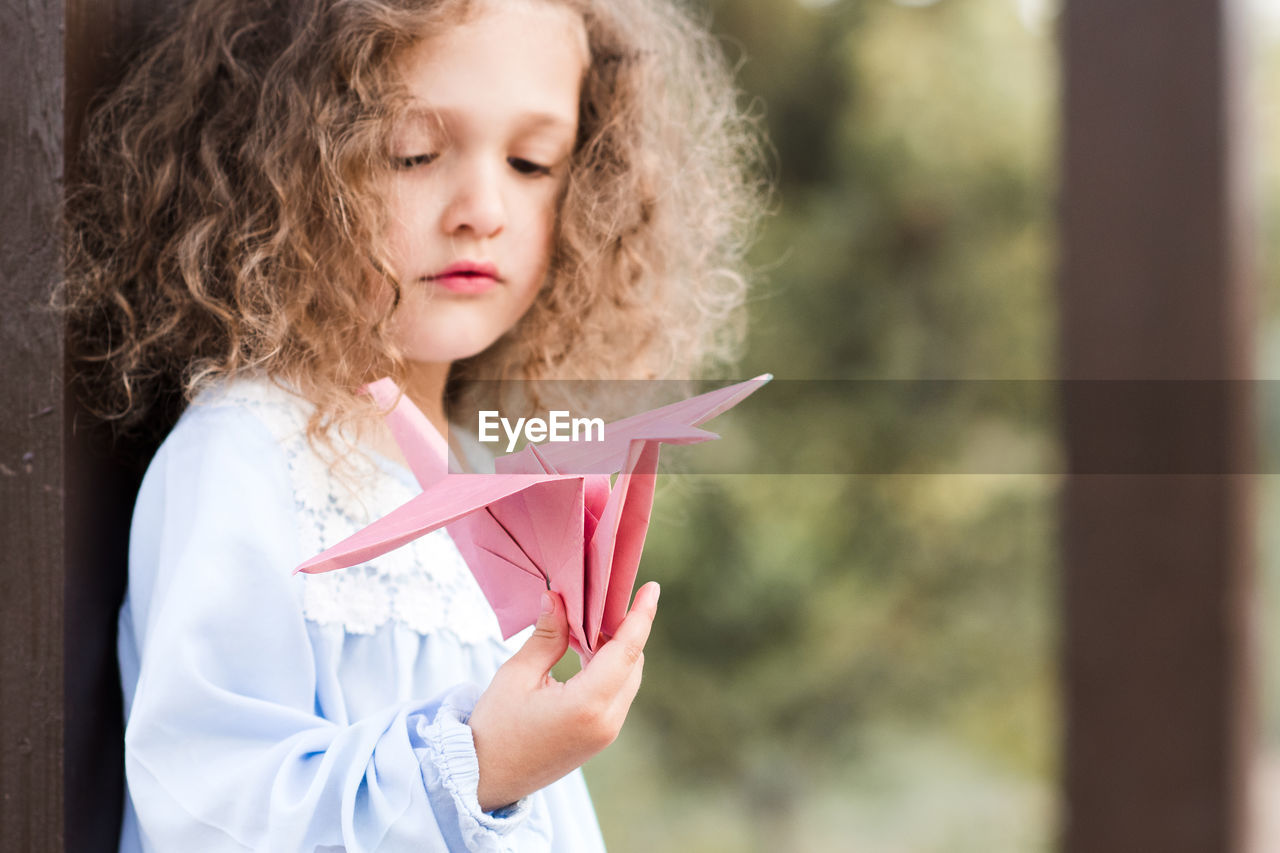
[[476, 204]]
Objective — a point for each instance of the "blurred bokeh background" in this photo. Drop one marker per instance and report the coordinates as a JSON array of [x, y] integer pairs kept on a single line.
[[870, 662], [869, 657], [1265, 15]]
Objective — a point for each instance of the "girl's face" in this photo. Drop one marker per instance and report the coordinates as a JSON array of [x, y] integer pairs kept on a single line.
[[480, 165]]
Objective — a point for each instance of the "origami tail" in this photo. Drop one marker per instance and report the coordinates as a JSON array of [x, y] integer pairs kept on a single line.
[[426, 451]]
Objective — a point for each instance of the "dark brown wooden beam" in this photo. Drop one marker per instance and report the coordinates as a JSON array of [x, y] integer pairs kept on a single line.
[[1158, 568], [65, 490], [31, 430]]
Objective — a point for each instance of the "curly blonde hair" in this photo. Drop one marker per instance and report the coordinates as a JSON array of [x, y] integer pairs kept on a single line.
[[226, 214]]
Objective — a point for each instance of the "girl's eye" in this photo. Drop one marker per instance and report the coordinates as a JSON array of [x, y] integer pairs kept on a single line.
[[412, 161], [528, 167]]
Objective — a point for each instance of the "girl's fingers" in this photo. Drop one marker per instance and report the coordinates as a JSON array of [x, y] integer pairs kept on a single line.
[[609, 671], [549, 640], [627, 694]]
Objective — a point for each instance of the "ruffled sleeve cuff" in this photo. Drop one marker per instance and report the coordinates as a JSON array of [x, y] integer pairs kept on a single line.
[[451, 772]]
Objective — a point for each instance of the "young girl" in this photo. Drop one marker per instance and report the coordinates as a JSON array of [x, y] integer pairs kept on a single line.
[[286, 199]]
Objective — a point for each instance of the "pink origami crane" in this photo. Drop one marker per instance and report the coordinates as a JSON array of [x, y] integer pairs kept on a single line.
[[548, 519]]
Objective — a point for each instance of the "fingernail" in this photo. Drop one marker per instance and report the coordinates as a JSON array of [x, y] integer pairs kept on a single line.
[[547, 604], [657, 591]]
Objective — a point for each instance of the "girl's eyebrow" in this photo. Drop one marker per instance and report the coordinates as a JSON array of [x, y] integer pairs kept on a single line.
[[552, 120], [531, 120]]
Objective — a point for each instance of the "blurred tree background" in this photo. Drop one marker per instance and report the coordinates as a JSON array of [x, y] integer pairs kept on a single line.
[[1265, 101], [869, 662]]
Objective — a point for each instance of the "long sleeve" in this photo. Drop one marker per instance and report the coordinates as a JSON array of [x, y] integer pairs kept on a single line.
[[229, 745]]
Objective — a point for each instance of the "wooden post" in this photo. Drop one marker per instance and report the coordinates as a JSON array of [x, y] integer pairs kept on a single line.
[[1158, 565], [65, 494], [31, 431]]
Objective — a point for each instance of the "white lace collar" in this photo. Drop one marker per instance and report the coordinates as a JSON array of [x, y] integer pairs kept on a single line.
[[424, 586]]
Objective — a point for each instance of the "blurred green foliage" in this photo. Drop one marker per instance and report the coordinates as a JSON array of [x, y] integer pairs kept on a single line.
[[1264, 103], [868, 663]]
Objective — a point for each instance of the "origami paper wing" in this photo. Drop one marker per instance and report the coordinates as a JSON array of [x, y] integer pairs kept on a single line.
[[446, 501], [550, 519], [610, 455]]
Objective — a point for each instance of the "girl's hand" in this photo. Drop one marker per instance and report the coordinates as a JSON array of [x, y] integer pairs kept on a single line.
[[530, 729]]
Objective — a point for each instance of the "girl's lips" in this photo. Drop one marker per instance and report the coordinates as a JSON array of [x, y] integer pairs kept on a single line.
[[467, 277]]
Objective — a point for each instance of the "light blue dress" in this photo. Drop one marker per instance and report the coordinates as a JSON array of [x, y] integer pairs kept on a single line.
[[269, 711]]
